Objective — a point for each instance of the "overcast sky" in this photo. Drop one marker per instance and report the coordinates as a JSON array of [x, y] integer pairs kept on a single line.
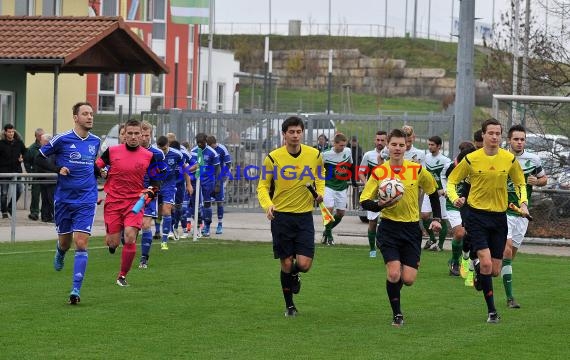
[[351, 12]]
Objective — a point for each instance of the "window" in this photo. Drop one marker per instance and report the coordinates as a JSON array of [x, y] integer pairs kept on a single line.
[[158, 31], [6, 108], [159, 10], [106, 92], [24, 8], [204, 96], [220, 97], [109, 8], [51, 8], [157, 84], [189, 90]]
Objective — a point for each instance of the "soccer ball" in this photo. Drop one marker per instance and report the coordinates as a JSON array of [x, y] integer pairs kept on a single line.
[[390, 189]]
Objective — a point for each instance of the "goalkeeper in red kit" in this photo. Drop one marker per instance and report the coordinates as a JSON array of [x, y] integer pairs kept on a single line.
[[125, 166]]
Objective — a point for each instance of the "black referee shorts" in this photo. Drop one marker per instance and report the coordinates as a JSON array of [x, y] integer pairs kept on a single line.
[[487, 230], [293, 234], [400, 241]]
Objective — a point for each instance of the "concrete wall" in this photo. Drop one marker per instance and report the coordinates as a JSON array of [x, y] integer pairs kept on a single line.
[[306, 69]]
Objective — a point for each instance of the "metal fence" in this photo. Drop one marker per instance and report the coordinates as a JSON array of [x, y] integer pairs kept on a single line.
[[250, 137]]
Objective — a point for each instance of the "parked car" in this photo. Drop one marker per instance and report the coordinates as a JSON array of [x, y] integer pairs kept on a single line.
[[267, 134], [561, 199], [553, 150], [110, 139]]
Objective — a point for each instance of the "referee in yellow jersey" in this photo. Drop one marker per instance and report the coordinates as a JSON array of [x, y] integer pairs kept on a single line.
[[399, 236], [485, 215], [283, 194]]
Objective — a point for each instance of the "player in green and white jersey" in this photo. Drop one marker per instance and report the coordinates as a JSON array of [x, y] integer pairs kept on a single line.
[[535, 176], [412, 153], [370, 160], [435, 161], [338, 162]]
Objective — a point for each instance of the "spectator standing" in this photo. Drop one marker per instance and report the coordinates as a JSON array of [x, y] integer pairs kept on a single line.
[[33, 151], [12, 151], [47, 190]]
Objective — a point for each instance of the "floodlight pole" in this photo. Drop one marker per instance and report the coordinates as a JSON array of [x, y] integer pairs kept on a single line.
[[329, 83]]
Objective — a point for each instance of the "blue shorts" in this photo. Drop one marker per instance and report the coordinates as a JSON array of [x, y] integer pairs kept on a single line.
[[72, 217], [293, 234], [207, 190], [399, 241], [487, 230], [167, 194], [150, 210], [180, 191], [219, 195]]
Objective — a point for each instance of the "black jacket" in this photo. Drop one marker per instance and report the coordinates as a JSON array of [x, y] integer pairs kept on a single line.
[[10, 152]]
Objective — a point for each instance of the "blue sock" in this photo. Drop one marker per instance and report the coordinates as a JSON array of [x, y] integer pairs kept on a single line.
[[207, 215], [156, 227], [220, 213], [146, 242], [79, 266], [175, 218], [166, 226]]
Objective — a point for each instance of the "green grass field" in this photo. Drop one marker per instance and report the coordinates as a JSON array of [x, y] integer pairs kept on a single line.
[[222, 300]]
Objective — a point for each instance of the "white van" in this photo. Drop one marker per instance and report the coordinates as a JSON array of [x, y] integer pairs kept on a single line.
[[267, 134]]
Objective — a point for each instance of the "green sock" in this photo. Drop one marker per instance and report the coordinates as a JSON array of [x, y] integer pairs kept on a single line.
[[442, 233], [336, 221], [507, 274], [455, 251], [372, 240], [427, 223]]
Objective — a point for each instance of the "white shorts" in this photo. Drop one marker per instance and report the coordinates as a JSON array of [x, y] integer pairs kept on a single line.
[[454, 217], [335, 199], [426, 206], [370, 215], [517, 229]]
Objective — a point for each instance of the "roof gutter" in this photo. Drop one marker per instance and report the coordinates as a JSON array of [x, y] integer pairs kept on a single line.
[[4, 61]]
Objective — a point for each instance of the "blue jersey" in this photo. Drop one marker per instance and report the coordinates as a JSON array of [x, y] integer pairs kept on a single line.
[[211, 161], [173, 159], [224, 154], [158, 156], [78, 155], [184, 164]]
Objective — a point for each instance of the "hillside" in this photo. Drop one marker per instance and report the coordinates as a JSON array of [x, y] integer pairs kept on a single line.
[[418, 53]]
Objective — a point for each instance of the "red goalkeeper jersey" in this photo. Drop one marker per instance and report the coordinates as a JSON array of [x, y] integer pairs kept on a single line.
[[127, 168]]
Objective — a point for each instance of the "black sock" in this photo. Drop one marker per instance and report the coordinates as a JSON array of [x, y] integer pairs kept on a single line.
[[294, 268], [487, 287], [393, 290], [286, 287]]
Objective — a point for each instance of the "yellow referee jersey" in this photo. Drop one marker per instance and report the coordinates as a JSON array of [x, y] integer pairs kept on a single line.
[[290, 174], [413, 176], [488, 177]]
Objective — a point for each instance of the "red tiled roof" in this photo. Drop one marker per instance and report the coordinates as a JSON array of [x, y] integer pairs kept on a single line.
[[77, 44]]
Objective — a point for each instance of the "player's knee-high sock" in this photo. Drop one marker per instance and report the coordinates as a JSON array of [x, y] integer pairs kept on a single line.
[[442, 234], [146, 242], [393, 290], [127, 256], [507, 274], [207, 215], [174, 218], [79, 266], [337, 219], [166, 226], [286, 283], [455, 251], [220, 212], [372, 239], [426, 224], [487, 287], [156, 226]]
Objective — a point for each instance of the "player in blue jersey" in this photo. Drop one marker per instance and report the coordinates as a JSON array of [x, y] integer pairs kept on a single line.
[[75, 197], [178, 214], [151, 209], [220, 184], [173, 159], [208, 175]]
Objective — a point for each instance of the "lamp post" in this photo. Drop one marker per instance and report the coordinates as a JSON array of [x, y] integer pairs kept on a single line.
[[330, 82], [269, 83]]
